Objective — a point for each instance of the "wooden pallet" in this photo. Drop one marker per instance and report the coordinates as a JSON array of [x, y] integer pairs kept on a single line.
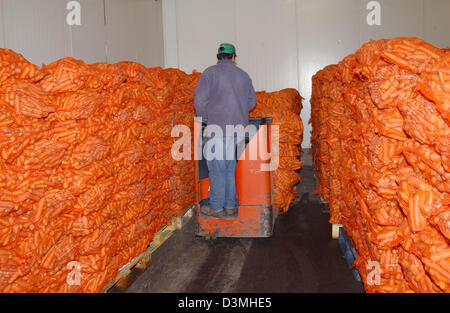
[[140, 263], [335, 230]]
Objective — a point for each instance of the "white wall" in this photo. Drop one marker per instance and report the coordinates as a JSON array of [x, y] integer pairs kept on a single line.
[[150, 48], [282, 43], [2, 28], [88, 39], [436, 22], [134, 31], [38, 30], [262, 30]]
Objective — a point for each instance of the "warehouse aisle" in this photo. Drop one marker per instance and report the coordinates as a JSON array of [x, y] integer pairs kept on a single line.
[[300, 257]]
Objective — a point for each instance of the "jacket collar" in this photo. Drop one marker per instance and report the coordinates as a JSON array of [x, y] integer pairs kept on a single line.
[[225, 61]]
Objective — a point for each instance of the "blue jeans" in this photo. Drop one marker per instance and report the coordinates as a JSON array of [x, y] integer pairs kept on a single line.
[[222, 192]]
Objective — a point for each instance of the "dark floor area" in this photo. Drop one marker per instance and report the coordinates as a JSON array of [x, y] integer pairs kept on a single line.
[[300, 257]]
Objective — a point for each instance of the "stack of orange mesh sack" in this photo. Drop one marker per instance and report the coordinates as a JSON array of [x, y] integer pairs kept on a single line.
[[86, 169], [284, 108], [381, 148]]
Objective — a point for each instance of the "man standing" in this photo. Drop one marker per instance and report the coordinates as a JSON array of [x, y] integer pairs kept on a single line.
[[224, 96]]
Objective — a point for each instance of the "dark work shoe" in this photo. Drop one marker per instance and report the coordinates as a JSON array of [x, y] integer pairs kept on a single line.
[[206, 210], [230, 212]]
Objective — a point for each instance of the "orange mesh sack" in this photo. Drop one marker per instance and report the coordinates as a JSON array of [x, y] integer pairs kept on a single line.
[[284, 108]]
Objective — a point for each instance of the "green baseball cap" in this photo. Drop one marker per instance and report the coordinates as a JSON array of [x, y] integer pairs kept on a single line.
[[227, 48]]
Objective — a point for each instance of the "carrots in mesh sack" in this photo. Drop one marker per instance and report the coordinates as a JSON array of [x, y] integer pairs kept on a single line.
[[27, 99], [14, 66], [284, 108], [391, 146]]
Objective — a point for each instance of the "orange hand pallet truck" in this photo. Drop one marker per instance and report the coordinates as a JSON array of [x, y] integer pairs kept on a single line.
[[256, 215]]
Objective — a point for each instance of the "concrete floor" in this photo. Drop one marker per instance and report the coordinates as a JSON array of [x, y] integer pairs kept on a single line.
[[300, 257]]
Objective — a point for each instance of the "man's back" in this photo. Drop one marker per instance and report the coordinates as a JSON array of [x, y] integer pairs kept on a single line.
[[225, 95]]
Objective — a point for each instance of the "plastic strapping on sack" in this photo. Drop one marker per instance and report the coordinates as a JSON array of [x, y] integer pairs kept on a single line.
[[446, 176]]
